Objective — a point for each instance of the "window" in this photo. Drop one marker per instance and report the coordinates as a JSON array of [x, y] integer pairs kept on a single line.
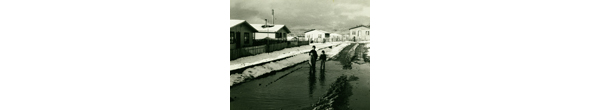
[[231, 37], [368, 33], [281, 35], [319, 35], [246, 37], [353, 32]]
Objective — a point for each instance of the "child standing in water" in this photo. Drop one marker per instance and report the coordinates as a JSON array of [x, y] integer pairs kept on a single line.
[[323, 59]]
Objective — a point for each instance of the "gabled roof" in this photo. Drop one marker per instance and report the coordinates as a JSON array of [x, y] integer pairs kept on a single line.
[[275, 28], [235, 22], [321, 31], [332, 34], [359, 26], [310, 30]]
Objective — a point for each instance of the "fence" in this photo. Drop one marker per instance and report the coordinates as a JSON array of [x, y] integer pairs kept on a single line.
[[303, 42], [277, 46], [267, 41], [293, 43], [247, 51], [262, 46]]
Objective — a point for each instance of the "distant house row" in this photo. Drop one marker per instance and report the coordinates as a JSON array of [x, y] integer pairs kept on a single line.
[[243, 34], [320, 35], [356, 33]]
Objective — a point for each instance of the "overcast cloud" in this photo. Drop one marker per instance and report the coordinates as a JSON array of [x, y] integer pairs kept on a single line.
[[304, 14]]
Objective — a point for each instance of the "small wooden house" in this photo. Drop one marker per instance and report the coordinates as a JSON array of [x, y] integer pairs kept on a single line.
[[241, 34]]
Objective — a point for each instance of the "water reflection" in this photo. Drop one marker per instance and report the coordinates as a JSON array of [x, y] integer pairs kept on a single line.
[[311, 83], [364, 54], [347, 62], [342, 103], [322, 78], [347, 67]]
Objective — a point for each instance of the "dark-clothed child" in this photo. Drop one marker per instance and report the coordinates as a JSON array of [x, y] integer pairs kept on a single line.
[[323, 59]]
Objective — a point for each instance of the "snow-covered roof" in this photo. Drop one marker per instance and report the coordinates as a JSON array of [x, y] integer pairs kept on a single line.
[[275, 28], [359, 27], [319, 31], [235, 22]]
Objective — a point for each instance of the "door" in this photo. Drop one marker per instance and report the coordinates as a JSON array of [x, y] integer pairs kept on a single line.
[[326, 37], [238, 40]]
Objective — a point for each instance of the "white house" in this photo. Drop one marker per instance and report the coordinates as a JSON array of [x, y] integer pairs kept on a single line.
[[271, 31], [317, 35], [302, 38], [335, 37], [360, 33]]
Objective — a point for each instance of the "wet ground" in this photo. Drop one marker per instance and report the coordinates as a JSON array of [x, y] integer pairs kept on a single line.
[[343, 84]]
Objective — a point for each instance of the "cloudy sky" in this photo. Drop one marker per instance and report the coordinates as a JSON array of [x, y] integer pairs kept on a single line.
[[304, 14]]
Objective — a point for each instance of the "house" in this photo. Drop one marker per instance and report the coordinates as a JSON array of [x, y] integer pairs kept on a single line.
[[302, 38], [241, 34], [360, 33], [335, 37], [346, 37], [316, 35], [291, 37], [276, 31]]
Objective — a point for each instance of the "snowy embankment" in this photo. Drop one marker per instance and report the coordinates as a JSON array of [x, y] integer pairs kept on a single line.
[[368, 46], [256, 71], [336, 50], [267, 57], [351, 51]]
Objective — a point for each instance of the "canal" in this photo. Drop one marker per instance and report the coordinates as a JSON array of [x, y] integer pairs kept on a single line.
[[342, 84]]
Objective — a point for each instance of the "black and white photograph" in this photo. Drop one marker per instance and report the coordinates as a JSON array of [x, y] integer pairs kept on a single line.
[[299, 55]]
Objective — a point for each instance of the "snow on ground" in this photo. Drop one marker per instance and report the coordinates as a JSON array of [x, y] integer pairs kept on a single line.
[[256, 71], [267, 57], [352, 51], [335, 50]]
